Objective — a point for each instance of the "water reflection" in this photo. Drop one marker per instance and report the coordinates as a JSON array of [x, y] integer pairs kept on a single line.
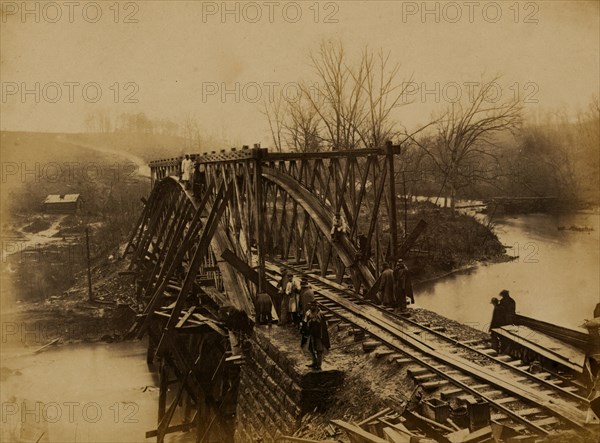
[[555, 276]]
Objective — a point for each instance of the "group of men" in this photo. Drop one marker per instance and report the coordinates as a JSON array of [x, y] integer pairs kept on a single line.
[[298, 307], [193, 175], [395, 286]]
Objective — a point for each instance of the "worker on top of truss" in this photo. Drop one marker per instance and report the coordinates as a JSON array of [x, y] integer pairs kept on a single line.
[[339, 227]]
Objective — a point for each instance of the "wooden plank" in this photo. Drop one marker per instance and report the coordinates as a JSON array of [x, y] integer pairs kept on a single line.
[[577, 337], [244, 269], [302, 440], [479, 435], [394, 436], [562, 353], [412, 238], [185, 317], [374, 416], [183, 427], [163, 426], [46, 346], [357, 433], [429, 427]]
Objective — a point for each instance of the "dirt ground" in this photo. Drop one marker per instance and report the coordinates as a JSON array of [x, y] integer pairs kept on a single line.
[[70, 316], [371, 383]]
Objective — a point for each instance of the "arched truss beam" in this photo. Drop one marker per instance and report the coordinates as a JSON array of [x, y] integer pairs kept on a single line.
[[321, 216]]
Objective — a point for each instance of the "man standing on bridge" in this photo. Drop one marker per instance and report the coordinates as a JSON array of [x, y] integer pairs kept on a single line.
[[187, 168], [386, 286], [403, 285], [284, 297], [315, 326], [307, 296]]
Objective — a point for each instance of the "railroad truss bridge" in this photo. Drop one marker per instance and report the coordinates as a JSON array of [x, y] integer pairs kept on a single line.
[[201, 257]]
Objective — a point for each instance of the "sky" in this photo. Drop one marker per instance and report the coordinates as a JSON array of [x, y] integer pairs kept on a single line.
[[218, 61]]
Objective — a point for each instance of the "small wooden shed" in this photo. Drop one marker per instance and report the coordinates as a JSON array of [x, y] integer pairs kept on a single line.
[[62, 203]]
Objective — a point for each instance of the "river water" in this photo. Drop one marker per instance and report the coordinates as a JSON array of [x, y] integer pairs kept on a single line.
[[78, 393], [554, 276]]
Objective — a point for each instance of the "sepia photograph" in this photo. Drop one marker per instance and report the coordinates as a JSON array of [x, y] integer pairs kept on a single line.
[[311, 221]]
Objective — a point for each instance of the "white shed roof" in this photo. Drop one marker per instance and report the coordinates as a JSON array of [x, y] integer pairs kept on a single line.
[[62, 198]]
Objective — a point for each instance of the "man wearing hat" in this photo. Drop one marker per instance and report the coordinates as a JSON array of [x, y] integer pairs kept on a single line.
[[307, 296], [386, 286], [187, 169], [504, 314], [504, 310], [284, 297], [403, 285], [318, 335]]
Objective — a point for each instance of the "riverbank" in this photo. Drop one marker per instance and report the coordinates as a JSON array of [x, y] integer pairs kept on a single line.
[[71, 316], [452, 242], [551, 273]]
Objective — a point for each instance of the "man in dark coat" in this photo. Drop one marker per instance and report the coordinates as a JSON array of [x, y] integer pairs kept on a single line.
[[386, 286], [504, 314], [318, 335], [284, 300], [364, 251], [403, 285], [307, 296], [263, 309], [504, 310]]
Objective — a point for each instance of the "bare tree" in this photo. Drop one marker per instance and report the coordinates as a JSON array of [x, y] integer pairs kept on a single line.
[[465, 144], [383, 95], [293, 123], [337, 97], [354, 102], [302, 125], [275, 111]]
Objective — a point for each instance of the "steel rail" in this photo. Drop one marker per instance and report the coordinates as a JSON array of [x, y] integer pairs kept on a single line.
[[396, 333], [455, 342]]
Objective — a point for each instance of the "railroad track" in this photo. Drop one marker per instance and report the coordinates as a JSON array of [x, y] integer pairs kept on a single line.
[[539, 403]]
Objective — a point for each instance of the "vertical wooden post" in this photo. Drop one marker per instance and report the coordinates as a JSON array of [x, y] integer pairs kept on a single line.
[[259, 217], [393, 212], [405, 205], [89, 269], [163, 388]]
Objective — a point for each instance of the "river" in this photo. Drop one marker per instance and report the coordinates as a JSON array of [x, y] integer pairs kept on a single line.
[[78, 393], [554, 276]]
